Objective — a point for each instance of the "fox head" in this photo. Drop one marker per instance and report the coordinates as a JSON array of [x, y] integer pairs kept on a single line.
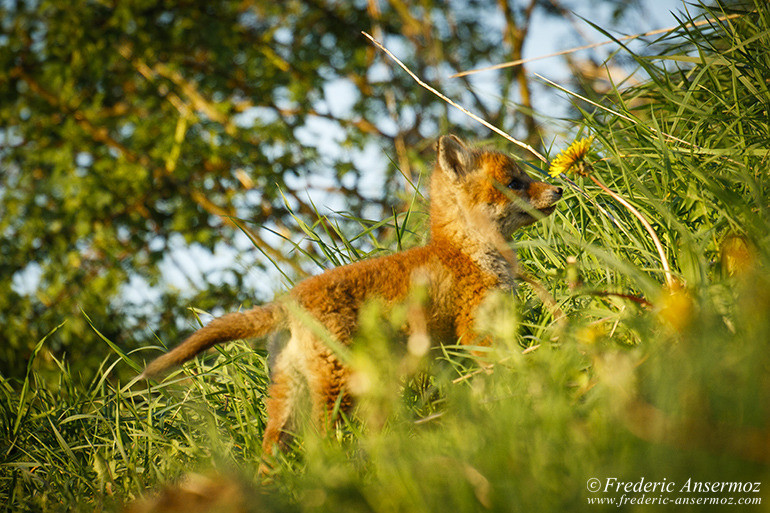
[[476, 190]]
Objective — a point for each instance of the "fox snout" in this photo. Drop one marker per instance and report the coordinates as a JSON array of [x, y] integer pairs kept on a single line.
[[543, 195]]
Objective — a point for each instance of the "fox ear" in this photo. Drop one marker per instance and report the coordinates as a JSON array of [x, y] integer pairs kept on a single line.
[[454, 157]]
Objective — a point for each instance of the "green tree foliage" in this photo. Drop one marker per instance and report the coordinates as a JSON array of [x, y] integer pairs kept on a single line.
[[132, 128]]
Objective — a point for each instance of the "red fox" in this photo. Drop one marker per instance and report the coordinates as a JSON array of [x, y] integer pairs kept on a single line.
[[478, 198]]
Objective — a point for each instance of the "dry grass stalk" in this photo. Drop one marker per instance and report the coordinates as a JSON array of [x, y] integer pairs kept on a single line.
[[462, 109]]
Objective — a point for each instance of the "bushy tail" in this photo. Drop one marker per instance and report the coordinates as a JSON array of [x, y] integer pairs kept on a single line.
[[256, 322]]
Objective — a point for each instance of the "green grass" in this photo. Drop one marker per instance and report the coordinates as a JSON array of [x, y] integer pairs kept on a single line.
[[676, 390]]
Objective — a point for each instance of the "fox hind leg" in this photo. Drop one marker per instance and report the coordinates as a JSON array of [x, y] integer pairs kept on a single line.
[[308, 383], [279, 406], [327, 381]]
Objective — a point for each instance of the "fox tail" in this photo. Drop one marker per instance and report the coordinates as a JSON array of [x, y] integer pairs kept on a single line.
[[256, 322]]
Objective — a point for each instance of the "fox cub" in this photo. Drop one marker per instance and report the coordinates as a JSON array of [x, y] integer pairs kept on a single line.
[[478, 198]]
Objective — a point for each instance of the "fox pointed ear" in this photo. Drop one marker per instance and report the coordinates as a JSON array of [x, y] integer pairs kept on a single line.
[[454, 157]]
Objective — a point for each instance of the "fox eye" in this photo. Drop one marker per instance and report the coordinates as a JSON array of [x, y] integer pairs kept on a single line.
[[517, 184]]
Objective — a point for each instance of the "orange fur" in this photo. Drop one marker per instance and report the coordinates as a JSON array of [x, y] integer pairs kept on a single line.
[[478, 198]]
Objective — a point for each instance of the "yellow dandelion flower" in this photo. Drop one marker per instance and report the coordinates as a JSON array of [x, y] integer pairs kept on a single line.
[[572, 157], [675, 308]]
